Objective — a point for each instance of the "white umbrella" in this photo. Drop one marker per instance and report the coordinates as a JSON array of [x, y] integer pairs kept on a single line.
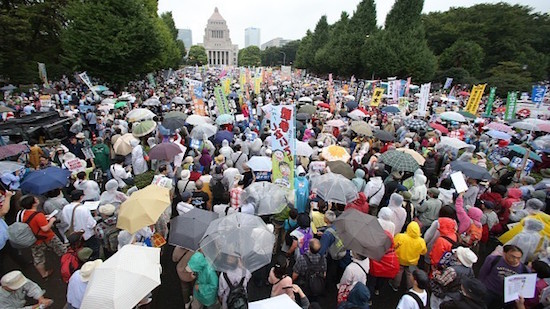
[[139, 114], [122, 145], [197, 119], [203, 129], [451, 142], [452, 116], [108, 101], [349, 97], [260, 164], [178, 100], [303, 149], [305, 99], [277, 302], [106, 107], [356, 114], [123, 279], [530, 124], [151, 102]]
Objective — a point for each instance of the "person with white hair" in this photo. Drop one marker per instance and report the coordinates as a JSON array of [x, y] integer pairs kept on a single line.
[[139, 165]]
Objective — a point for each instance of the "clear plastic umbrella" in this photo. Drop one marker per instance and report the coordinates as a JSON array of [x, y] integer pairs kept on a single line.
[[10, 167], [201, 130], [151, 102], [334, 188], [268, 198], [123, 279], [238, 240], [303, 149], [197, 119], [139, 114]]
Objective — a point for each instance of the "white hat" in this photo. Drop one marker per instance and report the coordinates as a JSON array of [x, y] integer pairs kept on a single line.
[[466, 256], [80, 135], [504, 161], [88, 268], [107, 209], [185, 174], [300, 170], [14, 280]]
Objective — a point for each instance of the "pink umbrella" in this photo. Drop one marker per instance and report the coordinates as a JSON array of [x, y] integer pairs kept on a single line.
[[544, 127], [498, 127], [164, 151], [439, 127]]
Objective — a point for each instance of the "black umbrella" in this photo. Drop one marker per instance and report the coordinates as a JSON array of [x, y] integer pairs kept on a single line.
[[351, 105], [384, 136], [188, 229], [173, 123], [471, 170], [303, 116]]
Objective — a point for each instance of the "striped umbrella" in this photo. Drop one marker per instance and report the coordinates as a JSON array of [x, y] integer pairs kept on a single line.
[[415, 124], [399, 161]]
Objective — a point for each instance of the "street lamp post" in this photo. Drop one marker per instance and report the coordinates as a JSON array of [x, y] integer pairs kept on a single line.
[[284, 57]]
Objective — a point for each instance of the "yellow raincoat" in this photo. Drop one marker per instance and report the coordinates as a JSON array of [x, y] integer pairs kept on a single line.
[[409, 246]]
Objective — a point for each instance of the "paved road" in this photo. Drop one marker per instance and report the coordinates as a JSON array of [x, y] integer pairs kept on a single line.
[[168, 294]]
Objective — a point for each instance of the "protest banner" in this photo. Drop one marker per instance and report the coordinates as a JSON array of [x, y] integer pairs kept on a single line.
[[221, 101], [226, 86], [332, 101], [475, 98], [151, 80], [283, 145], [537, 95], [423, 100], [359, 92], [43, 75], [448, 83], [84, 77], [257, 85], [197, 87], [396, 90], [407, 86], [511, 101], [490, 100], [198, 103], [391, 88], [376, 97], [286, 72]]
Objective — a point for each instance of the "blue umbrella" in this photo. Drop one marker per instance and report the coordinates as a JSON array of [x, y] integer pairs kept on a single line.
[[391, 109], [351, 105], [499, 135], [233, 95], [42, 181], [523, 150], [223, 135]]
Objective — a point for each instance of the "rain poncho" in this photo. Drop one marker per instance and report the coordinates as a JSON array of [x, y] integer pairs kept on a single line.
[[409, 245], [528, 240], [207, 280], [226, 151], [532, 206], [465, 219], [399, 213], [139, 165], [419, 190], [386, 218], [111, 195], [301, 193], [359, 179]]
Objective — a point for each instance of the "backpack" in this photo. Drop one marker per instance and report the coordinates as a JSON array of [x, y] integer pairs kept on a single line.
[[237, 298], [315, 281], [111, 238], [507, 178], [20, 233], [69, 264], [418, 300], [337, 250], [472, 236], [447, 259]]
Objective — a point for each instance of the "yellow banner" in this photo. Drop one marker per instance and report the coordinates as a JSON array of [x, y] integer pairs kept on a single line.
[[257, 85], [242, 79], [376, 97], [226, 86], [475, 98]]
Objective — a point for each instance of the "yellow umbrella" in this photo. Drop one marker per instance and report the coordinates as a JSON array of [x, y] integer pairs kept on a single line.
[[416, 156], [543, 217], [335, 153], [143, 208], [122, 145]]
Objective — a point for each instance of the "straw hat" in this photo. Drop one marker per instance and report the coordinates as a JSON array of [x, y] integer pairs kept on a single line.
[[107, 209], [14, 280], [88, 268]]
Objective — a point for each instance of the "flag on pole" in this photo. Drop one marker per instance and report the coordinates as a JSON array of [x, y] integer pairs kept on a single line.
[[423, 100], [84, 77], [475, 98], [448, 83], [43, 75], [489, 107]]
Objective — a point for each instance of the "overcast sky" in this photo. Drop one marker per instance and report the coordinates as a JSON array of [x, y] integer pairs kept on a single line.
[[290, 19]]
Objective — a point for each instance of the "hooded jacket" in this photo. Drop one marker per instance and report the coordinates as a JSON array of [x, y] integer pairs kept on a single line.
[[399, 213], [528, 239], [358, 297], [419, 190], [409, 246], [207, 280], [360, 204], [447, 227], [513, 196], [359, 179], [386, 218], [465, 219]]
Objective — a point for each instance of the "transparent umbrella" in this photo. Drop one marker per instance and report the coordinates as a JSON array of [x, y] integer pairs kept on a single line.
[[334, 188], [268, 198], [139, 114], [238, 239], [201, 130]]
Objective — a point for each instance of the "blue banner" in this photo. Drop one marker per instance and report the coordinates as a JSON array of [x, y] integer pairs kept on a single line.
[[537, 95]]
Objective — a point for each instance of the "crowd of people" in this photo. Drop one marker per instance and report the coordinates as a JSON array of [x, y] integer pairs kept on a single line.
[[449, 248]]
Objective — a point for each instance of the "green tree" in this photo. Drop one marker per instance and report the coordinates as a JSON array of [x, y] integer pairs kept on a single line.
[[462, 54], [168, 19], [404, 15], [509, 76], [305, 54], [250, 56], [197, 56], [112, 40]]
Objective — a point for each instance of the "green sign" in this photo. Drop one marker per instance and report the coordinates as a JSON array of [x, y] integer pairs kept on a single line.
[[490, 101], [511, 105]]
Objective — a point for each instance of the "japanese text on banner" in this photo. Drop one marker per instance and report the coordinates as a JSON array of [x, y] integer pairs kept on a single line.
[[423, 100], [43, 75], [221, 101], [511, 105], [283, 145], [489, 107], [376, 97], [475, 97], [538, 95]]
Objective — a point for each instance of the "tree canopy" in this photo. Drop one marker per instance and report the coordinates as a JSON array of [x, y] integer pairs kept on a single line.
[[197, 55], [250, 56]]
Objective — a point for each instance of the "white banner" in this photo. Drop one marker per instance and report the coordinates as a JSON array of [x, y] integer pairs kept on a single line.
[[84, 77], [396, 90], [423, 100]]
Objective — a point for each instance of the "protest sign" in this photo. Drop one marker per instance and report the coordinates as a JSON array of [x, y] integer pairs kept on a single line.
[[475, 97], [519, 285], [283, 145], [423, 100], [376, 97]]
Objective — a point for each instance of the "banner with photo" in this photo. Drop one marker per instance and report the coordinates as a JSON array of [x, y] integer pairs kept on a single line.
[[423, 100], [283, 145]]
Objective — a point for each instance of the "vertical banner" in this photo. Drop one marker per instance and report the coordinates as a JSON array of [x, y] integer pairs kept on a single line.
[[197, 87], [407, 86], [257, 85], [376, 97], [84, 77], [286, 72], [396, 90], [283, 145], [43, 75], [226, 86], [489, 107], [403, 104], [359, 92], [198, 103], [332, 102], [423, 100], [391, 87], [242, 78], [538, 95], [511, 101], [151, 80], [448, 83], [221, 102], [475, 97]]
